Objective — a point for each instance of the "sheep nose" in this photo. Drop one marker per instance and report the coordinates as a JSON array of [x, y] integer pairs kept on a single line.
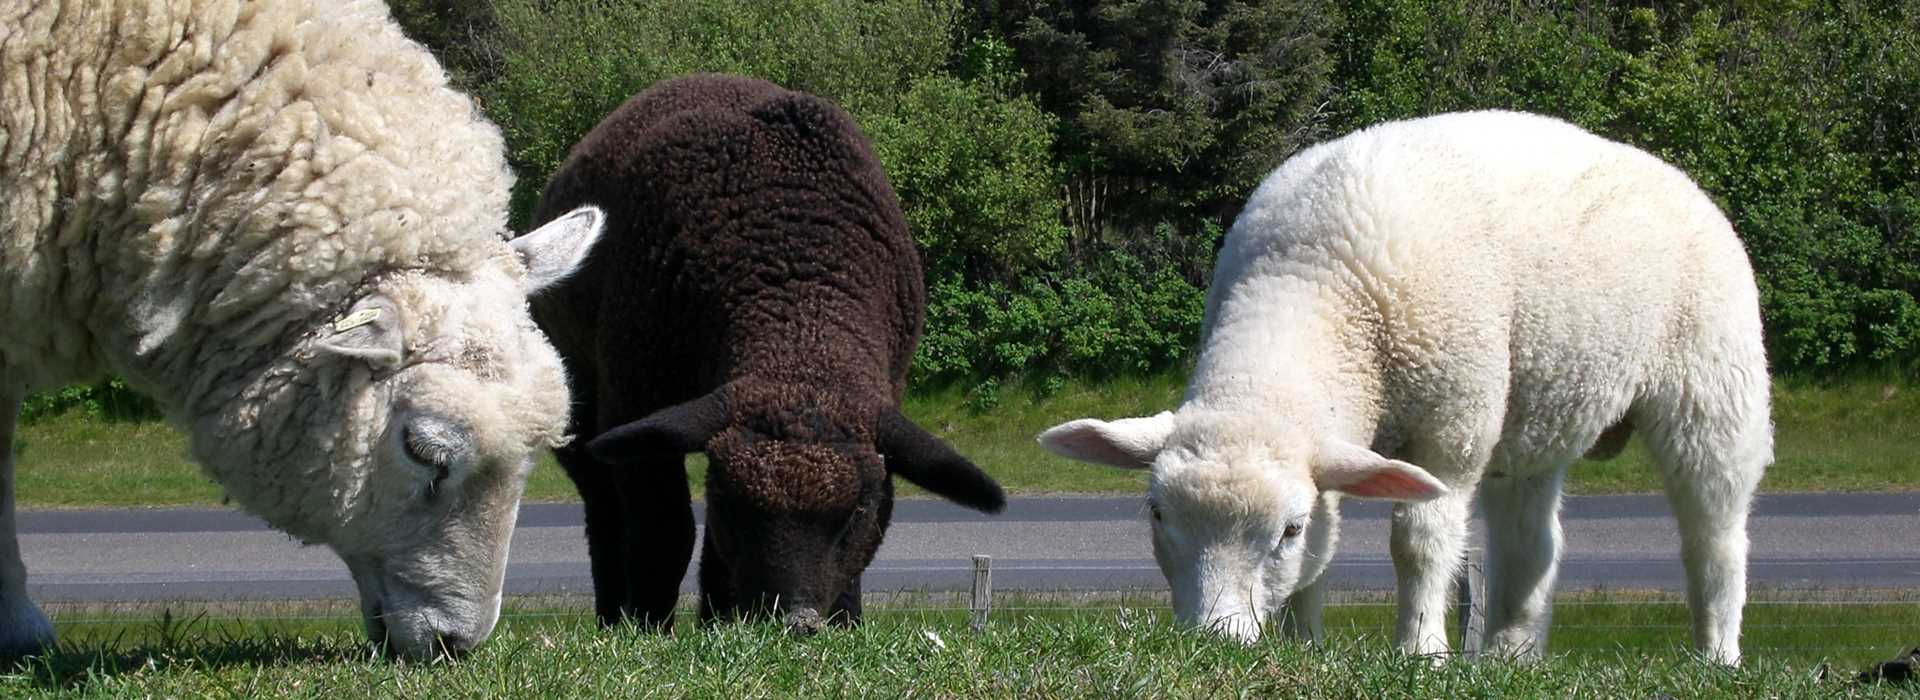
[[454, 645], [1239, 627], [804, 622]]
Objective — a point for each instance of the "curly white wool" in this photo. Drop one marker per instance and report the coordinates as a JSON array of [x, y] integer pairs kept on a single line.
[[193, 192], [1487, 295], [220, 171]]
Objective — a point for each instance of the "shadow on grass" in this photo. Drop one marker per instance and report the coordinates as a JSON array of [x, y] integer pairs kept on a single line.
[[172, 644]]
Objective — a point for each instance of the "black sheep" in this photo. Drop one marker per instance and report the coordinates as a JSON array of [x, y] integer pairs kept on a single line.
[[755, 297]]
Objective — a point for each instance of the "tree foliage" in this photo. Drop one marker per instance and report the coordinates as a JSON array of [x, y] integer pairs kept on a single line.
[[1171, 110], [1068, 166], [969, 157], [567, 63]]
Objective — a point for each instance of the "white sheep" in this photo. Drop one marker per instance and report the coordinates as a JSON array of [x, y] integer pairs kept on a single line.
[[279, 221], [1488, 295]]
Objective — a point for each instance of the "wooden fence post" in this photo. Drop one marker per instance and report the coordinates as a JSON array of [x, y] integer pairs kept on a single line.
[[982, 590], [1470, 600]]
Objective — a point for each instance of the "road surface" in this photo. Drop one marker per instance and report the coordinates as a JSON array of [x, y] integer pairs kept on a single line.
[[1053, 544]]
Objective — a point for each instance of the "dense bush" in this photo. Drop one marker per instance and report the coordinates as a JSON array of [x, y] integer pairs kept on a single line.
[[1068, 166], [1171, 110], [969, 158], [463, 34], [567, 63], [107, 399], [969, 154], [1117, 315]]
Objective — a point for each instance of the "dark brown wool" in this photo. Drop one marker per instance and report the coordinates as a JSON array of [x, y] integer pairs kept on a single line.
[[755, 297]]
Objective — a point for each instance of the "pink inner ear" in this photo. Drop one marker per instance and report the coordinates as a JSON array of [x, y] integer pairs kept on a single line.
[[1091, 444], [1391, 483], [1087, 444]]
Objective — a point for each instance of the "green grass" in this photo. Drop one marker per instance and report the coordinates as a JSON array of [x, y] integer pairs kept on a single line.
[[1861, 434], [72, 460], [1633, 650], [1000, 439]]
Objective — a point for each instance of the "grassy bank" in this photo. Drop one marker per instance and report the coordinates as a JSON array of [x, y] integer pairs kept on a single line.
[[1026, 652], [1857, 435]]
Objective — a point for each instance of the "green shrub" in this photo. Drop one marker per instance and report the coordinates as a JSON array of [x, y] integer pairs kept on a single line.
[[968, 154], [108, 399], [1116, 316], [969, 158], [463, 35], [568, 63], [1171, 110], [1070, 140]]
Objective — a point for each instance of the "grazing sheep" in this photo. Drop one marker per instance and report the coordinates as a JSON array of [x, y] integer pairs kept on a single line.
[[1487, 295], [278, 220], [757, 298]]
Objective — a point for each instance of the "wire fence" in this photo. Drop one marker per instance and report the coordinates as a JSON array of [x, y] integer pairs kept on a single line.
[[1796, 623]]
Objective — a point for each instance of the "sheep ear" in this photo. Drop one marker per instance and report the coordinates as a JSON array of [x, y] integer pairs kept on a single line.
[[1129, 443], [677, 429], [1358, 471], [370, 332], [557, 248], [916, 455]]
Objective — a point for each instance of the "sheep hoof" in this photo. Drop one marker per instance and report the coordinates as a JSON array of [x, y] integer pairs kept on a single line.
[[24, 630]]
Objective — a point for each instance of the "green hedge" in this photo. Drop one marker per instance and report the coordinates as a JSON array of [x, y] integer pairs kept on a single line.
[[968, 152], [108, 399], [1058, 175], [1069, 187]]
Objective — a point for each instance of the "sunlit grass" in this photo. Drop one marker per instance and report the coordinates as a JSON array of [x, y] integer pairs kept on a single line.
[[1601, 648], [1861, 434]]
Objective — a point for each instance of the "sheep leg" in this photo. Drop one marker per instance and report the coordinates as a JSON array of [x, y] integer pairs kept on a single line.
[[717, 602], [1713, 544], [1427, 542], [1523, 559], [1710, 487], [23, 628], [659, 537], [605, 530], [1302, 618], [846, 608]]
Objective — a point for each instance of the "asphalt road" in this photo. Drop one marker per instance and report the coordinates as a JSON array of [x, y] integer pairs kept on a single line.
[[1054, 544]]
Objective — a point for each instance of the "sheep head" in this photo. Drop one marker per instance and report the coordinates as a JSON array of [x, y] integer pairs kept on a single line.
[[1241, 517], [799, 492], [400, 432]]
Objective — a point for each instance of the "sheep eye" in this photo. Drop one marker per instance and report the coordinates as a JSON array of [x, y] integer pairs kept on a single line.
[[846, 528], [1292, 531], [428, 454], [1154, 509]]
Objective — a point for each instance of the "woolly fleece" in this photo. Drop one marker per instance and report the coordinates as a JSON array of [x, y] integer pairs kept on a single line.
[[757, 298], [193, 192], [1483, 295]]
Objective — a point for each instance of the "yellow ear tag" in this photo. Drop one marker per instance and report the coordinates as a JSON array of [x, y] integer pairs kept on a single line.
[[356, 320]]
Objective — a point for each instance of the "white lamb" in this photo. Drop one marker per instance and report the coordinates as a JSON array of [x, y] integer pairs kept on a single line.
[[1488, 295], [278, 220]]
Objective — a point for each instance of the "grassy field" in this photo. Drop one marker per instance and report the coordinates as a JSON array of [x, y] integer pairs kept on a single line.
[[1857, 435], [1602, 649]]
